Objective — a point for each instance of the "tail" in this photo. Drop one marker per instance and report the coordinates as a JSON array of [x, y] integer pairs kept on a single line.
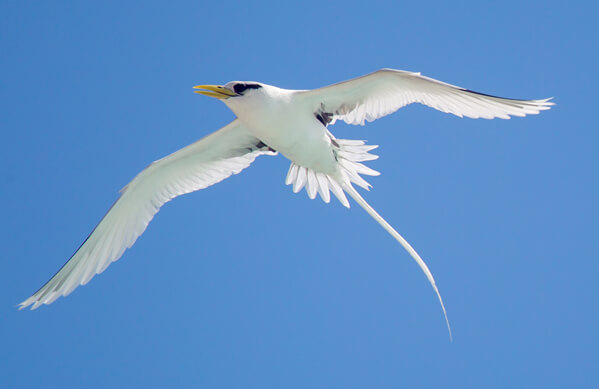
[[350, 154], [349, 189]]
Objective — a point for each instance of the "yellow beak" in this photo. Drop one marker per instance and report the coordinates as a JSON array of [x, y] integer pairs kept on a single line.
[[217, 91]]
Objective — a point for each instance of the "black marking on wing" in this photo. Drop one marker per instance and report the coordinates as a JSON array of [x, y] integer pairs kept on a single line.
[[507, 101], [324, 117], [261, 146], [484, 94]]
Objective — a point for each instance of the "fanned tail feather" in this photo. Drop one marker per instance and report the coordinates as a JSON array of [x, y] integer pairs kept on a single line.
[[350, 154]]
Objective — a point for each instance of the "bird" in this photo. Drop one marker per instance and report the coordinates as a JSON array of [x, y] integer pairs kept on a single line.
[[272, 120]]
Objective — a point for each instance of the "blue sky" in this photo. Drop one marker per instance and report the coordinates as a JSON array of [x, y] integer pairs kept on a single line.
[[246, 284]]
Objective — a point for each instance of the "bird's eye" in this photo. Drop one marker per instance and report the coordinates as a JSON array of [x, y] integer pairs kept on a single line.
[[240, 88]]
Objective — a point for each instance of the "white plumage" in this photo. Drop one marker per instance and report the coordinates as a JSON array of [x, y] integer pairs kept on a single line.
[[271, 120]]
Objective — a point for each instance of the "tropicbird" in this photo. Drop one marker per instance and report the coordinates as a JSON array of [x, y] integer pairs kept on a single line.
[[273, 120]]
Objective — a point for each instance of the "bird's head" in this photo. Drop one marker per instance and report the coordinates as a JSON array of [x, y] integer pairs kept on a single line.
[[231, 90], [245, 98]]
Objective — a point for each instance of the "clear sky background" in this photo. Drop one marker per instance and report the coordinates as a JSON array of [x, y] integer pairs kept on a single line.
[[246, 284]]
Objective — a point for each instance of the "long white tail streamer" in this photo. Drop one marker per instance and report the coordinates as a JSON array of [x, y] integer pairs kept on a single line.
[[350, 155], [379, 219]]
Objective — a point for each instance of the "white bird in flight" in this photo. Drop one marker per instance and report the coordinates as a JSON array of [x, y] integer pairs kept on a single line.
[[273, 120]]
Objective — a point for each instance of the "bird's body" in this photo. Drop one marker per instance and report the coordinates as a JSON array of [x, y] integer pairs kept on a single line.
[[279, 120], [304, 142], [270, 120]]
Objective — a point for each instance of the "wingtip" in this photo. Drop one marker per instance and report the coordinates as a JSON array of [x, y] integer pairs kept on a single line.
[[25, 304], [547, 102]]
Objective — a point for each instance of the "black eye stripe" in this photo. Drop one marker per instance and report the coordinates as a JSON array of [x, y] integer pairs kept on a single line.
[[240, 88]]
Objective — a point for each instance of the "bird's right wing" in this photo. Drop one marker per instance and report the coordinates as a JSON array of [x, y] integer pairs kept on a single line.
[[383, 92], [197, 166]]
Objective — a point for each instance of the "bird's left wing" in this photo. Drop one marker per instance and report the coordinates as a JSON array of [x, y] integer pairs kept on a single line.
[[197, 166], [383, 92]]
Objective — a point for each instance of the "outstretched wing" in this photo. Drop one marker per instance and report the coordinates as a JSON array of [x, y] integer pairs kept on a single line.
[[197, 166], [383, 92]]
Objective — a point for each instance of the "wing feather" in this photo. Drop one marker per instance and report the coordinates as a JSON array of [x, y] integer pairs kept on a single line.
[[383, 92], [197, 166]]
